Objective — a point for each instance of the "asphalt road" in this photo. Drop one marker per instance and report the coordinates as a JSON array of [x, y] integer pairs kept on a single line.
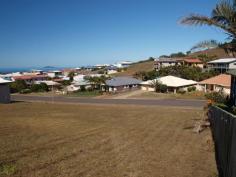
[[145, 102]]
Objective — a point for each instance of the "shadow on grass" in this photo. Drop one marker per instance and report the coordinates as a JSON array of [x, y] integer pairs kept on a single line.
[[15, 102], [188, 127]]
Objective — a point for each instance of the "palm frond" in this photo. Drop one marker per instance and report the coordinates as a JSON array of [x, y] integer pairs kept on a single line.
[[223, 10], [195, 19], [208, 44]]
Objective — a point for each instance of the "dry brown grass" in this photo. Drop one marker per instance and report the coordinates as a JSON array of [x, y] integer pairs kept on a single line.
[[197, 95], [145, 66], [41, 139]]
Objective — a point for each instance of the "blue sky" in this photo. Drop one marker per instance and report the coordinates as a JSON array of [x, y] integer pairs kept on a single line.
[[86, 32]]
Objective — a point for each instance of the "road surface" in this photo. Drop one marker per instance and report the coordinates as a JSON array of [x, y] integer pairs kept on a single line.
[[145, 102]]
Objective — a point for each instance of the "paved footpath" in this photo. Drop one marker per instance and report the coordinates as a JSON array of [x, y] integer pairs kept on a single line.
[[145, 102]]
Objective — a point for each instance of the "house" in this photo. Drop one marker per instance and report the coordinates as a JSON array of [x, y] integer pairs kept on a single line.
[[36, 72], [4, 91], [51, 84], [82, 83], [67, 71], [30, 79], [111, 70], [165, 62], [119, 84], [173, 83], [123, 64], [222, 65], [233, 87], [78, 85], [193, 62], [221, 82], [54, 74]]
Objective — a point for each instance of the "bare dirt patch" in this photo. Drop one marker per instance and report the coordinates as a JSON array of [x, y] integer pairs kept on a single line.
[[40, 139]]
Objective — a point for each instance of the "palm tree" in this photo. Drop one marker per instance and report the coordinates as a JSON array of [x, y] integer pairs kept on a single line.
[[156, 85], [223, 16], [96, 82]]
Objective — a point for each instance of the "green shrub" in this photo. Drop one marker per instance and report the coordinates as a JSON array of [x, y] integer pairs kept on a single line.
[[39, 87], [192, 89], [17, 86], [82, 88], [25, 91], [163, 88], [181, 91], [7, 169], [218, 97], [66, 82]]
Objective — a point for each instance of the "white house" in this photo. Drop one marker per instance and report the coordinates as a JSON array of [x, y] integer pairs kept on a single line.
[[173, 83], [165, 62], [123, 64], [222, 65], [54, 74], [4, 91]]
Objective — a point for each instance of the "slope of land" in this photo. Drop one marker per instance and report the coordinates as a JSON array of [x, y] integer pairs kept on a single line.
[[144, 66], [149, 65], [39, 139], [218, 52]]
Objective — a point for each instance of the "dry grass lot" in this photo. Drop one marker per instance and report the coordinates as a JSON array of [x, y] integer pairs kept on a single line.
[[52, 140], [197, 95]]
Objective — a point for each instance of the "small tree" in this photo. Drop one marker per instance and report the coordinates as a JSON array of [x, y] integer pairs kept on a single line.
[[82, 88], [156, 85], [18, 86], [159, 87], [42, 87], [71, 75], [163, 88], [218, 97], [192, 89]]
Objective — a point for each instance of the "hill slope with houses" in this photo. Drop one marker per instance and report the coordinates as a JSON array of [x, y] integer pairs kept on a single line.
[[149, 65]]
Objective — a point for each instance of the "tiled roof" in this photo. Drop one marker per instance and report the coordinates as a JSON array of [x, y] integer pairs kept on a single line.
[[28, 77], [222, 80], [192, 60]]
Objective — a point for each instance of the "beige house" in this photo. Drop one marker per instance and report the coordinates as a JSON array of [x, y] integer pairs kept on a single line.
[[221, 82]]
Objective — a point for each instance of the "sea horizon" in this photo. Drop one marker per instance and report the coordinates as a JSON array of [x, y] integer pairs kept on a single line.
[[5, 70]]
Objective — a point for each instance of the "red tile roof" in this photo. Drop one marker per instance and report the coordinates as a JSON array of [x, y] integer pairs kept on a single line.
[[29, 77], [192, 60], [222, 80]]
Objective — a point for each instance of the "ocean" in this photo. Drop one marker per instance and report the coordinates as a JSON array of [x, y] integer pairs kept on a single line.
[[25, 69]]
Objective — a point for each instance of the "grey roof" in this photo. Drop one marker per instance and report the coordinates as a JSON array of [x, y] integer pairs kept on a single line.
[[120, 81]]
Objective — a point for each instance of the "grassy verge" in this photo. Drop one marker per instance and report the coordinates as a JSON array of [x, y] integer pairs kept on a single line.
[[188, 95], [85, 94]]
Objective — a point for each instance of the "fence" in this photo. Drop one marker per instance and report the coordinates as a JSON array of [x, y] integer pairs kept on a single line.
[[223, 127]]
